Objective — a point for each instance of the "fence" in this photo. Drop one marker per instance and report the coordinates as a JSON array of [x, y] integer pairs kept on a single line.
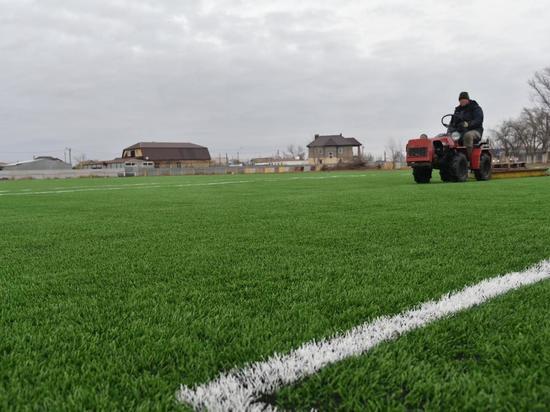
[[216, 170], [56, 174], [537, 157], [148, 171]]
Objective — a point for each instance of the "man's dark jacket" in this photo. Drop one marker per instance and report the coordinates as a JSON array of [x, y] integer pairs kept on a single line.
[[471, 113]]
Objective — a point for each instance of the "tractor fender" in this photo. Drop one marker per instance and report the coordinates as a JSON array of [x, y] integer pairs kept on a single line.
[[476, 157]]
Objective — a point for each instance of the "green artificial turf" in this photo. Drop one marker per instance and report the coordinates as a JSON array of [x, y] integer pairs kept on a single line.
[[493, 358], [113, 297]]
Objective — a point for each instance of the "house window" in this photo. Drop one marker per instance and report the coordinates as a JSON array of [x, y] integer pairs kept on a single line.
[[330, 155], [340, 150], [178, 165], [320, 150]]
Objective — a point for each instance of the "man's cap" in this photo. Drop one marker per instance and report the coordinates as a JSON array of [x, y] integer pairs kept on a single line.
[[464, 95]]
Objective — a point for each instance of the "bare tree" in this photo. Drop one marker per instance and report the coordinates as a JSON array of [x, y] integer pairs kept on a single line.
[[537, 122], [296, 152], [529, 133], [80, 159], [524, 135], [505, 141], [540, 84], [395, 149], [367, 157], [539, 118]]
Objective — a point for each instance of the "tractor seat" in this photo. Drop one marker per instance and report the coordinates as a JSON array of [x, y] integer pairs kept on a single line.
[[481, 142]]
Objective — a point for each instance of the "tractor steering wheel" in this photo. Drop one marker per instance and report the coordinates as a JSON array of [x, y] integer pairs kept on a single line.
[[443, 120]]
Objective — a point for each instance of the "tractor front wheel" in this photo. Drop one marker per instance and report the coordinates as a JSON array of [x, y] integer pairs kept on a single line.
[[445, 173], [485, 168], [422, 174], [455, 169], [459, 168]]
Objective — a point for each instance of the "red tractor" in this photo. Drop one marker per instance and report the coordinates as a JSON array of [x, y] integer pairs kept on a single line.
[[447, 153]]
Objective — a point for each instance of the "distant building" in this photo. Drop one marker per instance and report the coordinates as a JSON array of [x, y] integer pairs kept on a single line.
[[2, 164], [117, 163], [272, 161], [168, 155], [262, 161], [39, 163], [333, 149]]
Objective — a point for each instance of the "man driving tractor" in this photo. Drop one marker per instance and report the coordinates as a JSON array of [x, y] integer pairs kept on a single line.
[[455, 153], [468, 120]]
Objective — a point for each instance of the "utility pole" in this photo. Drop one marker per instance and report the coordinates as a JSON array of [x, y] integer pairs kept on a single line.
[[68, 149]]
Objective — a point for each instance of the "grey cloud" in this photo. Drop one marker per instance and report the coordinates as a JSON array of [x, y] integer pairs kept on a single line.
[[253, 76]]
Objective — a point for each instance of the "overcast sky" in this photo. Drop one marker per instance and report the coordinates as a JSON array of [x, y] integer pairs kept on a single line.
[[253, 75]]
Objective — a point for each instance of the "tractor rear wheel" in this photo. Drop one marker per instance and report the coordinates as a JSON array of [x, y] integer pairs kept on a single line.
[[485, 168], [422, 174]]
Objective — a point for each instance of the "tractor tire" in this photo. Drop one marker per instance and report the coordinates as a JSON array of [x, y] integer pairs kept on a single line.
[[485, 168], [445, 173], [458, 168], [422, 175], [454, 168]]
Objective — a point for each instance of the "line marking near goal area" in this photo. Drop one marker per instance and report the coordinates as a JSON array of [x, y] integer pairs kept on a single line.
[[240, 389]]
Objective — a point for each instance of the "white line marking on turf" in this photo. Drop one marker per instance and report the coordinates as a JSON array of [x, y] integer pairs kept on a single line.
[[152, 185], [238, 390]]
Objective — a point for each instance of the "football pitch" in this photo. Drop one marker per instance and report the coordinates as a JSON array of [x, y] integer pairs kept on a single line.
[[114, 292]]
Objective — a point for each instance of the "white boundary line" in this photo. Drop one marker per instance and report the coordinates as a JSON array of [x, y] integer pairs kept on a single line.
[[238, 390], [152, 185]]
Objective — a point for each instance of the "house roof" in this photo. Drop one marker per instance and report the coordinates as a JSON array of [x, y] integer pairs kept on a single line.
[[55, 159], [36, 159], [164, 145], [334, 140], [171, 151]]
